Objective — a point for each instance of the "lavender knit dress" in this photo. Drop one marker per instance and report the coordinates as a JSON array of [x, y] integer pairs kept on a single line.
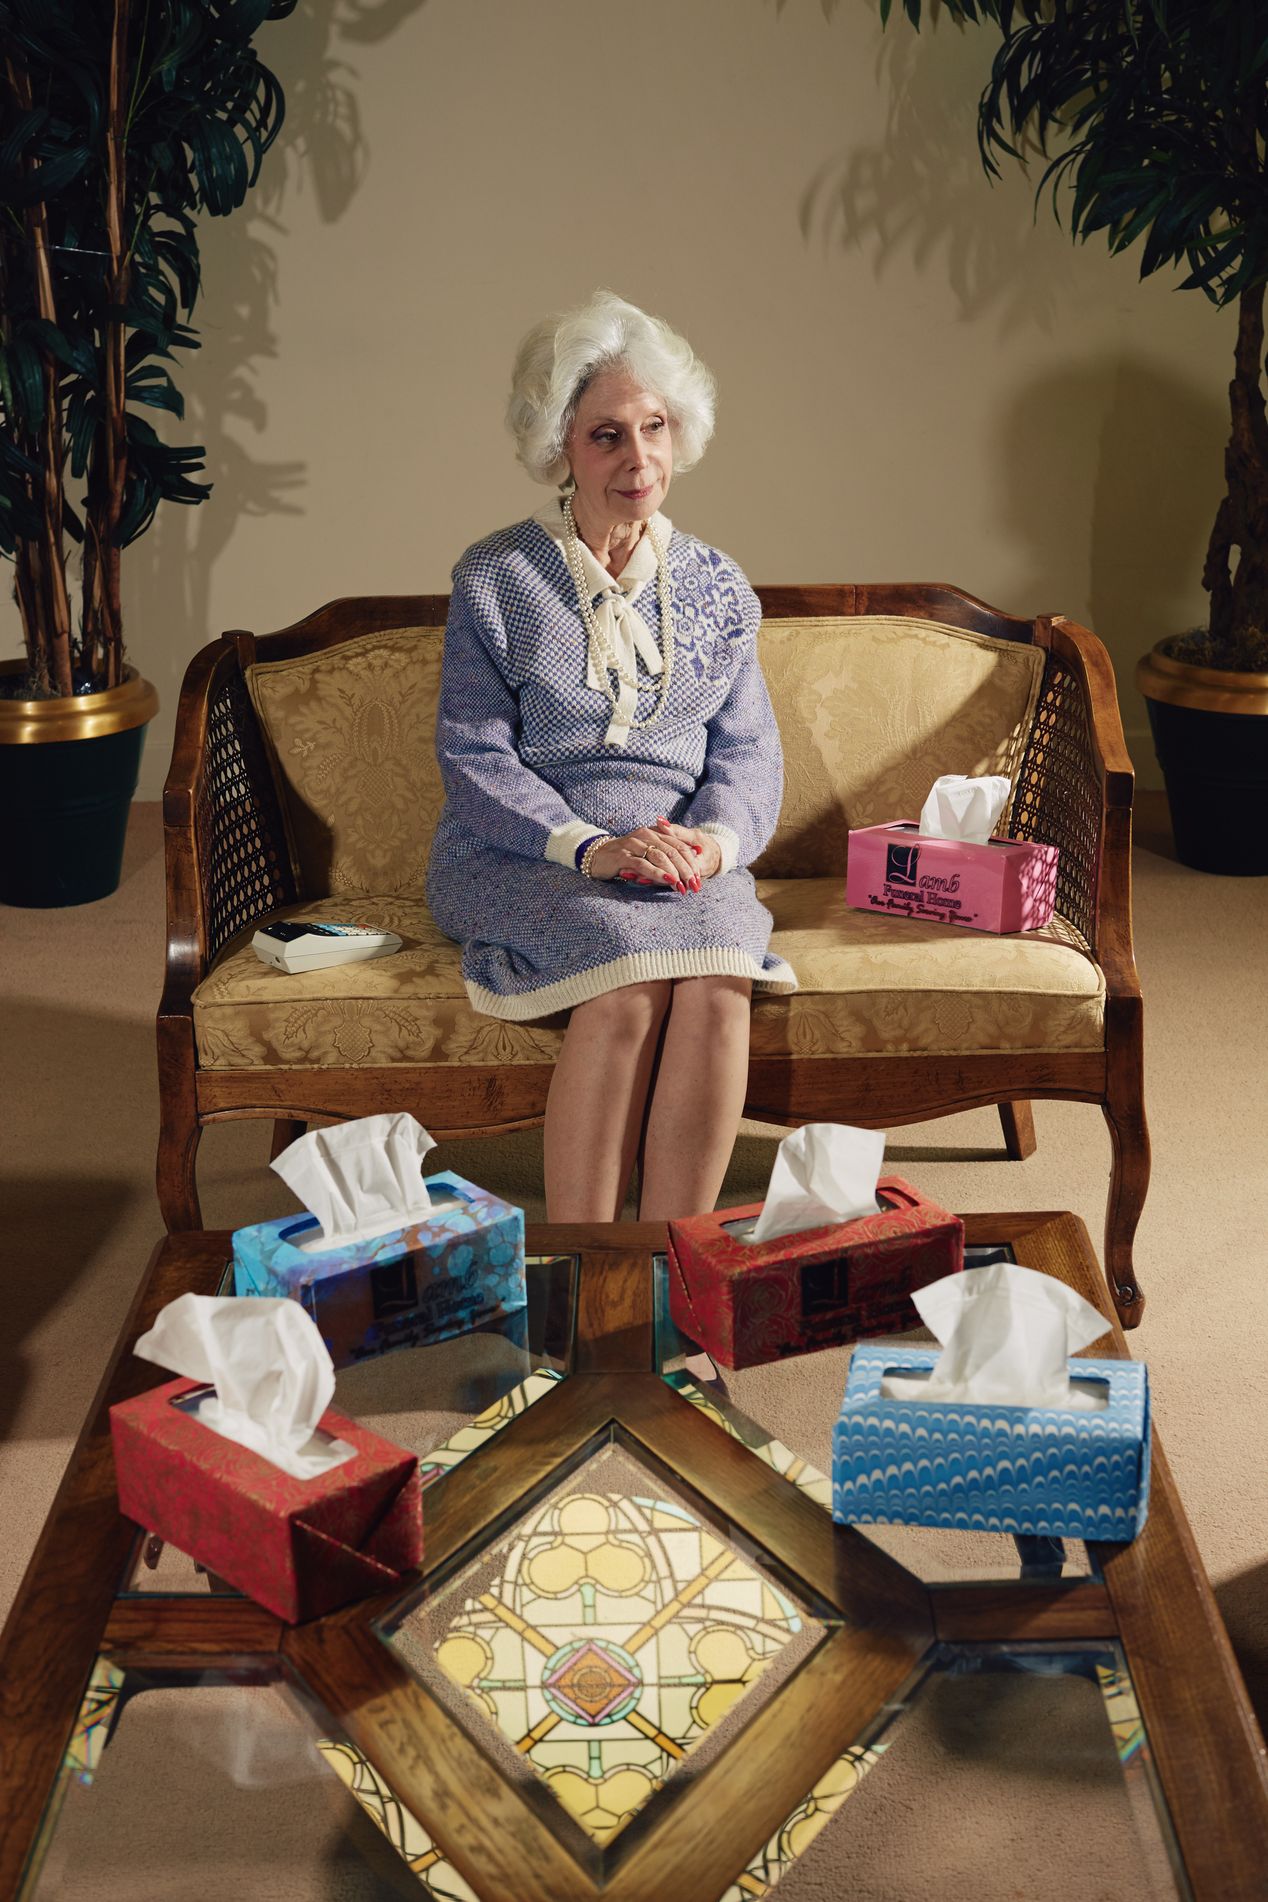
[[529, 776]]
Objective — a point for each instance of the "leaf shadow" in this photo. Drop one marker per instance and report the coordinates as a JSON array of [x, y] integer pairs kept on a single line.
[[920, 193], [1095, 461], [57, 1226], [322, 150]]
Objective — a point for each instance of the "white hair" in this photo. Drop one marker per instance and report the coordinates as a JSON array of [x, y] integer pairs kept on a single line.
[[562, 354]]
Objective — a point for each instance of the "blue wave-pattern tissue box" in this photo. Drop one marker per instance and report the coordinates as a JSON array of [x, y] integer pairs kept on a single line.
[[459, 1267], [991, 1468]]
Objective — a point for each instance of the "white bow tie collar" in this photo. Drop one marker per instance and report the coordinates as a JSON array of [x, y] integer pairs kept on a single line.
[[619, 623]]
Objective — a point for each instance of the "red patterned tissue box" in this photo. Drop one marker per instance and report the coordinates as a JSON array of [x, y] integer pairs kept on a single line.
[[299, 1547], [749, 1304]]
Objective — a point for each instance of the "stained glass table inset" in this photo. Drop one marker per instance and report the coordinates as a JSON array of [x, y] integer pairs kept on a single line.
[[640, 1661], [611, 1632]]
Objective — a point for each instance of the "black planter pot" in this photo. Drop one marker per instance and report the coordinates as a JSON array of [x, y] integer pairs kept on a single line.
[[1210, 731], [68, 770]]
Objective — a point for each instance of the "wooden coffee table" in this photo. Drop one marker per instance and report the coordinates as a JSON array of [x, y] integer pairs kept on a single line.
[[579, 1470]]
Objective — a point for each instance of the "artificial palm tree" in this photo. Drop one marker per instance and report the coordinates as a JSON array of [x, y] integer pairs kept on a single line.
[[120, 121], [1150, 118]]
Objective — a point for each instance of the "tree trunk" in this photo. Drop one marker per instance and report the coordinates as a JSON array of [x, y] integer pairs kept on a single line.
[[103, 616], [1236, 572], [43, 597]]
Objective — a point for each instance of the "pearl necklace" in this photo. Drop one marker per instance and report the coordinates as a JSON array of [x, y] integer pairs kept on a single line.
[[601, 646]]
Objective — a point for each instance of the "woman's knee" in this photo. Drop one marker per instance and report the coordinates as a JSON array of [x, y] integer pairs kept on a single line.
[[715, 1003], [632, 1010]]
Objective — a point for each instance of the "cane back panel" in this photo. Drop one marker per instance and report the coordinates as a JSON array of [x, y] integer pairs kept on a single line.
[[1057, 800], [244, 864]]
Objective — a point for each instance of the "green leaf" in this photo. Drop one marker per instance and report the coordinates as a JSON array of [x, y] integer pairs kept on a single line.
[[220, 164], [47, 179], [26, 126], [76, 353], [151, 385], [23, 379], [83, 414]]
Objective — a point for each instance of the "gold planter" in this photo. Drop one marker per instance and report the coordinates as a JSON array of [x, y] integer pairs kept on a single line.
[[68, 770], [87, 716], [1210, 733]]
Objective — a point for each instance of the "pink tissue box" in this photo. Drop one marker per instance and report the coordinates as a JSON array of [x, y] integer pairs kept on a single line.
[[1004, 885]]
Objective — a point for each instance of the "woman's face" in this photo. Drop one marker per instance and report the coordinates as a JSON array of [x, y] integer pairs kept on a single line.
[[620, 450]]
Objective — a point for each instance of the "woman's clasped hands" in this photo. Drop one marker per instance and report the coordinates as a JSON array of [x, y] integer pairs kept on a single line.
[[678, 857]]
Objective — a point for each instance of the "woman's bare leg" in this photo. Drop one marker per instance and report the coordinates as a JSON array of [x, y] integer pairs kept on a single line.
[[594, 1112], [697, 1098]]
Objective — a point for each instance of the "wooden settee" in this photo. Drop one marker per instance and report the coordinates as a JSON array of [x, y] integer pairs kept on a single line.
[[304, 781]]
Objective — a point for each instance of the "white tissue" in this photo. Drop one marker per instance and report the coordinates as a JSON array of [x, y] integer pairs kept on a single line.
[[1007, 1334], [966, 809], [269, 1366], [824, 1172], [359, 1179]]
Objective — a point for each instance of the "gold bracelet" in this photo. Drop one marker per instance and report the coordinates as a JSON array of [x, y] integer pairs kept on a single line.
[[604, 838]]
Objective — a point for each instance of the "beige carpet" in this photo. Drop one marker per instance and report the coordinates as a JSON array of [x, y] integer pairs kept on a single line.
[[79, 1217]]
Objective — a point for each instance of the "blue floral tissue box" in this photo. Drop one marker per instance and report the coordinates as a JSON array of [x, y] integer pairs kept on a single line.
[[459, 1267], [991, 1468]]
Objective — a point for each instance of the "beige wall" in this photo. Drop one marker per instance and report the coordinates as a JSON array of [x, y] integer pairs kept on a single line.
[[918, 381]]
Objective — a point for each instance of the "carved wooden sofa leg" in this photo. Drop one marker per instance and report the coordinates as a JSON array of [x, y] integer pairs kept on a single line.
[[1124, 1112], [179, 1137], [179, 1129], [286, 1130], [1018, 1124]]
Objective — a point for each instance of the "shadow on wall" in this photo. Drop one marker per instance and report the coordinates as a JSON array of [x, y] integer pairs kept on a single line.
[[1095, 477], [1103, 465], [1159, 481], [321, 148], [72, 1194], [1243, 1603], [169, 571], [921, 192], [828, 8], [59, 1226]]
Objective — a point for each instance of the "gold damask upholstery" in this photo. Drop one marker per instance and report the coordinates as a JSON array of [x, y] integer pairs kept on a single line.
[[351, 734], [409, 1008], [869, 986], [871, 709]]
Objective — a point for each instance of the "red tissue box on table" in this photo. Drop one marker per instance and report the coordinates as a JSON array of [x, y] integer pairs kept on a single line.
[[299, 1547], [749, 1304]]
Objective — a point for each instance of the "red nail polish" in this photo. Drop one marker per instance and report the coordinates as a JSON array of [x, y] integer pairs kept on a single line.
[[697, 848]]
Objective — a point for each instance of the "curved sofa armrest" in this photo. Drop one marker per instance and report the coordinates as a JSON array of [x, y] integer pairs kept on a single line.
[[1081, 649], [1075, 792], [227, 860]]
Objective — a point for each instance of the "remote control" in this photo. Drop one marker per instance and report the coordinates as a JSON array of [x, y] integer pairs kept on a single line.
[[301, 944]]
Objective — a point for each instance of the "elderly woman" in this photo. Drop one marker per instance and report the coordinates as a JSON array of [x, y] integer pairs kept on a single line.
[[611, 767]]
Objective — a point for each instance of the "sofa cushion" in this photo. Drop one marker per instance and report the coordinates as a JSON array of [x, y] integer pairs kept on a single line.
[[871, 709], [351, 732], [877, 986], [869, 986], [409, 1008]]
